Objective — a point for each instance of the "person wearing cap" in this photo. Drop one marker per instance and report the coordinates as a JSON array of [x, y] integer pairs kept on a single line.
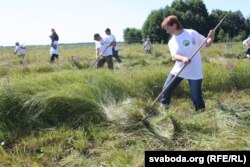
[[114, 48], [103, 51], [21, 49], [147, 46]]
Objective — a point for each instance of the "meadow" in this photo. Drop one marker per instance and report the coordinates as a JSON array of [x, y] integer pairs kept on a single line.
[[71, 114]]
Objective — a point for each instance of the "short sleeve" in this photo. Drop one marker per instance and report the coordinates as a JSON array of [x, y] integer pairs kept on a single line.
[[113, 37], [200, 38], [172, 48]]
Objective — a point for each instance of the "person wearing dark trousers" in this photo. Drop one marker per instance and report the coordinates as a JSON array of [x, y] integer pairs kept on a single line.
[[54, 52], [54, 49], [181, 46], [103, 51], [114, 48]]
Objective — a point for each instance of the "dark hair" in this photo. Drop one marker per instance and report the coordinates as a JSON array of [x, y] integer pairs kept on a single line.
[[170, 21], [96, 35], [107, 30]]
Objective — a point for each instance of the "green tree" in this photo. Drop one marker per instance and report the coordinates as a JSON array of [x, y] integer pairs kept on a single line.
[[234, 24], [248, 26], [132, 35], [221, 35], [152, 27], [191, 13]]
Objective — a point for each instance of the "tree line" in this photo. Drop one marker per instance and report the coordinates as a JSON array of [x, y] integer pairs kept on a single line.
[[192, 14]]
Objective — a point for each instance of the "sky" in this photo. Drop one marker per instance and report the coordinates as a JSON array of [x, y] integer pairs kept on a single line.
[[76, 21]]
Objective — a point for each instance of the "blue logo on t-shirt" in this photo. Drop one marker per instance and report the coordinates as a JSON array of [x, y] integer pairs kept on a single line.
[[186, 42]]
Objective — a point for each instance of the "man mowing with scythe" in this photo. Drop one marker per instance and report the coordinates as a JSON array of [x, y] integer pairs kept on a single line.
[[114, 48], [103, 51]]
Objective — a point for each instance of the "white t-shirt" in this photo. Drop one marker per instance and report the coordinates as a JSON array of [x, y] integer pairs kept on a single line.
[[186, 44], [20, 49], [147, 45], [55, 51], [103, 47], [247, 42], [112, 38]]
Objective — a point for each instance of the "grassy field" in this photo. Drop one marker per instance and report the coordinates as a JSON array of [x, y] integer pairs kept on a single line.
[[70, 114]]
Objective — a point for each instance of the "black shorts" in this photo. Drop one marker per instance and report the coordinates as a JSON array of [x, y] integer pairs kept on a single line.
[[53, 56]]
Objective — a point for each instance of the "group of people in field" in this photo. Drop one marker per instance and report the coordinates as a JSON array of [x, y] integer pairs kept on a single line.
[[106, 49], [54, 49], [182, 44]]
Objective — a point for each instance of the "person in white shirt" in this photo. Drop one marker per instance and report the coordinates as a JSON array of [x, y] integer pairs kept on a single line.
[[182, 45], [147, 46], [54, 52], [246, 42], [103, 51], [114, 48], [21, 49]]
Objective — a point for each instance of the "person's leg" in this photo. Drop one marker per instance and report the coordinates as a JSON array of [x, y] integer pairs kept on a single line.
[[116, 56], [109, 60], [196, 93], [248, 53], [120, 60], [52, 58], [101, 62], [166, 97]]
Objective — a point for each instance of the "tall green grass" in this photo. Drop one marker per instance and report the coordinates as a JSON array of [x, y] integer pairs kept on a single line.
[[66, 95], [69, 114]]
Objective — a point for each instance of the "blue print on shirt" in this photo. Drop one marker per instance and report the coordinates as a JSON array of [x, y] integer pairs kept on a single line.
[[186, 43]]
